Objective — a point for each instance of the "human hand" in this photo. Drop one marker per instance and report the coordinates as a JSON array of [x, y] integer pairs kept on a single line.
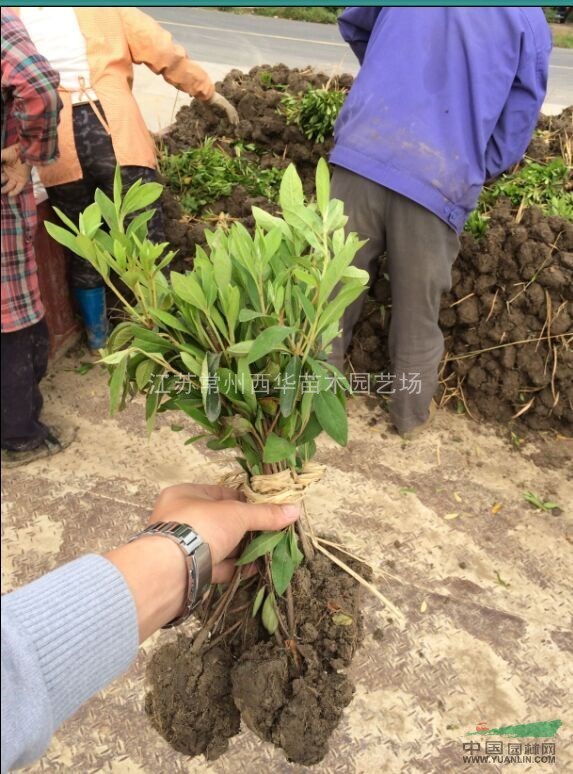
[[15, 173], [220, 517], [219, 101]]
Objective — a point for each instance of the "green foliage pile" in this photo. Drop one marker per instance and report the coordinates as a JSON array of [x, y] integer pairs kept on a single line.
[[255, 308], [533, 184], [203, 175], [314, 111]]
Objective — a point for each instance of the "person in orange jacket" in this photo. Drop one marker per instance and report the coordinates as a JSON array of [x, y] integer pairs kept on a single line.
[[94, 50]]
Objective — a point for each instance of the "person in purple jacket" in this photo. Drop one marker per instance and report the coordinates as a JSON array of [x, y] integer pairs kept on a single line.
[[445, 99]]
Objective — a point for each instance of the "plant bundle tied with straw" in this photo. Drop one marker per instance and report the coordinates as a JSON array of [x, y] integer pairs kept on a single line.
[[239, 344]]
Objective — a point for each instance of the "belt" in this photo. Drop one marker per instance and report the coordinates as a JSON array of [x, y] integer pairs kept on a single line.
[[83, 97]]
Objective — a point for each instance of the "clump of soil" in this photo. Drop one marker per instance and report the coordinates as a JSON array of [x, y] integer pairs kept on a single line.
[[292, 697]]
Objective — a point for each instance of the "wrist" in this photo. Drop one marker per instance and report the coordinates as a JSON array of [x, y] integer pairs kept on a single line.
[[156, 573]]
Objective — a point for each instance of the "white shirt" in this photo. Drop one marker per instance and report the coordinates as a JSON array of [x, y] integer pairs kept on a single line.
[[56, 34]]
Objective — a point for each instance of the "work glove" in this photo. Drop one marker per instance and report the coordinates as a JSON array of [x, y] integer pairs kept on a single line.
[[219, 101]]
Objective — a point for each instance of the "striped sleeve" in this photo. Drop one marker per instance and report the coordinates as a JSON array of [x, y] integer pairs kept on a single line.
[[30, 84]]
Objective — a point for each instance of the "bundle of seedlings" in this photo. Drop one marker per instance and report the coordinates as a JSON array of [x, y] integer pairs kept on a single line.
[[240, 345]]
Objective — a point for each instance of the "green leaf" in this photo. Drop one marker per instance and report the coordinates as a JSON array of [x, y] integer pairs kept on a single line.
[[245, 384], [332, 416], [210, 387], [305, 303], [277, 449], [269, 615], [353, 272], [218, 444], [65, 238], [338, 304], [246, 315], [121, 335], [290, 192], [169, 320], [282, 566], [337, 267], [117, 187], [117, 384], [141, 197], [289, 389], [195, 438], [152, 402], [107, 209], [115, 357], [262, 544], [322, 186], [258, 601], [268, 341], [191, 363], [188, 289], [268, 222], [196, 413], [90, 219], [240, 349], [144, 372], [67, 221], [311, 431], [138, 225], [296, 554], [306, 277], [305, 407]]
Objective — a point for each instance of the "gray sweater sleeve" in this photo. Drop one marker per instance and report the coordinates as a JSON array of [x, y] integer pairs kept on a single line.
[[64, 637]]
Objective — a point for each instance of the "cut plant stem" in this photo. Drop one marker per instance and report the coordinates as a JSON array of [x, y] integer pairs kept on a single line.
[[290, 612]]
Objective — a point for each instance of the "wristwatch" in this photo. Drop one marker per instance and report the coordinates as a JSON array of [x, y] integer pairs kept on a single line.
[[198, 559]]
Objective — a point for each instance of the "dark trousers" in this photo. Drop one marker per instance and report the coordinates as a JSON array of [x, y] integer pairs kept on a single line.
[[98, 163], [24, 363], [420, 250]]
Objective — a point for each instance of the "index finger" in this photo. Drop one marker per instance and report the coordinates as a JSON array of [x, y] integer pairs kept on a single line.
[[207, 492]]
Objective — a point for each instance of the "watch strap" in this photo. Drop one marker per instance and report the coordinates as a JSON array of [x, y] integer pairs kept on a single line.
[[198, 559]]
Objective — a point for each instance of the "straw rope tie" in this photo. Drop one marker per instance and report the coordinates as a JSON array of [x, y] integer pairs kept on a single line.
[[287, 486]]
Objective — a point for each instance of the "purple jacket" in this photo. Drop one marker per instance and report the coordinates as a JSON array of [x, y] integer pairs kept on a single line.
[[445, 99]]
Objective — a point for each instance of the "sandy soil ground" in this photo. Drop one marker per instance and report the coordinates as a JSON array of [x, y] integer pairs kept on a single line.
[[486, 590]]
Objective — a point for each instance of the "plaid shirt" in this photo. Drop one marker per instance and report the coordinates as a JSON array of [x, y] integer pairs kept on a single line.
[[30, 108]]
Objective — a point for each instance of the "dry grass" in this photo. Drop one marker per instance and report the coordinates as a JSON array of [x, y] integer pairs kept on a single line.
[[562, 35]]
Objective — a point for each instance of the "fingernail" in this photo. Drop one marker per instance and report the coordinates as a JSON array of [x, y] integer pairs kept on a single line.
[[291, 511]]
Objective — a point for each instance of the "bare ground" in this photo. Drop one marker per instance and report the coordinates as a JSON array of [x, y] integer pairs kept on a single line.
[[486, 590]]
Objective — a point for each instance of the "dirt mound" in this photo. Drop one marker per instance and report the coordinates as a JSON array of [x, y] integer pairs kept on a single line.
[[292, 699], [266, 138], [514, 285]]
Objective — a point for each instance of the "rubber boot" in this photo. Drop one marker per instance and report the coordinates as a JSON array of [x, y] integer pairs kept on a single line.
[[91, 303]]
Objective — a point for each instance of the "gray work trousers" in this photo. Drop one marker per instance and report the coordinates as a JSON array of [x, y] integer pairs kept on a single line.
[[420, 250]]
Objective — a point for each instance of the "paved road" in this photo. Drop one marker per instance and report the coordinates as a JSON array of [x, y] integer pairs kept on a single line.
[[245, 40]]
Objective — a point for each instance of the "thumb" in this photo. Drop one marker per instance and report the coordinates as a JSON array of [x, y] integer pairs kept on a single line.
[[261, 517]]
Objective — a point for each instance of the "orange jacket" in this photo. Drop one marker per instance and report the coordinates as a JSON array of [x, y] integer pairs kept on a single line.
[[115, 39]]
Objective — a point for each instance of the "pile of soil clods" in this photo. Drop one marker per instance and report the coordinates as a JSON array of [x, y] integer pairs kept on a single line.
[[256, 95], [196, 702], [513, 285]]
